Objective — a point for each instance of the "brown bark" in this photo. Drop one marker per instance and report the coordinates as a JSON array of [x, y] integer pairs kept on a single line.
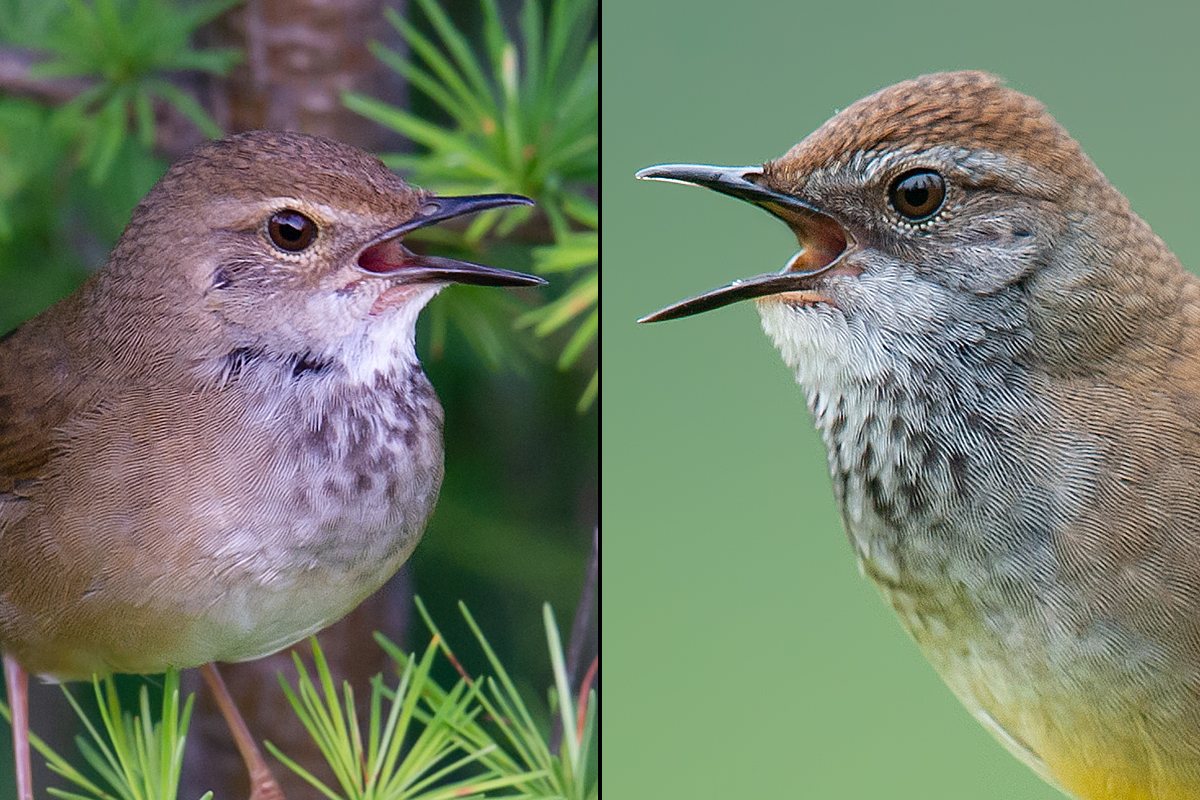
[[299, 56]]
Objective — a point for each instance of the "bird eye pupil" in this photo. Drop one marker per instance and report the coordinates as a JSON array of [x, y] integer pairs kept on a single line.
[[291, 230], [918, 194], [914, 197]]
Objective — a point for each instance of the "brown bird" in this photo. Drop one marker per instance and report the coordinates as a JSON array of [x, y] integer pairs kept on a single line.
[[223, 441], [1004, 363]]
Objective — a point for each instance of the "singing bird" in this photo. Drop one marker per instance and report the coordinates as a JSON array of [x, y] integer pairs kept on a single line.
[[1003, 361], [223, 441]]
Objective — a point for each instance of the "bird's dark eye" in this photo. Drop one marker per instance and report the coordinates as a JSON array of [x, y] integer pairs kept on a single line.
[[917, 194], [291, 230]]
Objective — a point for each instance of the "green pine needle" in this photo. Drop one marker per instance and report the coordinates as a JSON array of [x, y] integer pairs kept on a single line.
[[439, 762], [138, 756]]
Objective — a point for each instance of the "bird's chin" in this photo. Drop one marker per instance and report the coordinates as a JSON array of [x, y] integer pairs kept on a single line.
[[403, 294], [795, 300], [812, 335]]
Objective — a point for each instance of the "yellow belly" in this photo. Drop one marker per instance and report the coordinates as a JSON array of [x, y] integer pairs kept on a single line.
[[1089, 726], [1117, 780], [1073, 744]]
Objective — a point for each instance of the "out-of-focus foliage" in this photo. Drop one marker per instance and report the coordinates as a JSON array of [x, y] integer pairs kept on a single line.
[[127, 45], [53, 225], [524, 119]]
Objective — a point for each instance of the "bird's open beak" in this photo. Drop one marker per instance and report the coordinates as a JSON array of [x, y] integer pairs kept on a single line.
[[386, 255], [822, 238]]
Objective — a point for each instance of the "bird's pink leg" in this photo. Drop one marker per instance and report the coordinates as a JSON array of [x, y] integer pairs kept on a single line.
[[16, 680], [263, 785]]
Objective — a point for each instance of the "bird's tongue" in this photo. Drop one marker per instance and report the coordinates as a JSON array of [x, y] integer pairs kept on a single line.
[[412, 272], [387, 256]]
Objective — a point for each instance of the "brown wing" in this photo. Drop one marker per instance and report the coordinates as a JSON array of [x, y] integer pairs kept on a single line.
[[40, 387]]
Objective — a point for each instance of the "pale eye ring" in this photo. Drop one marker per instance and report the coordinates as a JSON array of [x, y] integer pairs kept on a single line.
[[291, 231], [917, 194]]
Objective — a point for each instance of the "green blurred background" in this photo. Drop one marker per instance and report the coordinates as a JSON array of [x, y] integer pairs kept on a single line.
[[746, 657]]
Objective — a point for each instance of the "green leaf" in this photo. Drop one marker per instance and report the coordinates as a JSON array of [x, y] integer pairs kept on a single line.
[[217, 61], [589, 394], [584, 335], [512, 134], [186, 105], [421, 131], [110, 133], [479, 101], [145, 119], [531, 31], [565, 705], [201, 12], [570, 27], [581, 209], [457, 44], [424, 82], [493, 35], [579, 299], [574, 251]]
